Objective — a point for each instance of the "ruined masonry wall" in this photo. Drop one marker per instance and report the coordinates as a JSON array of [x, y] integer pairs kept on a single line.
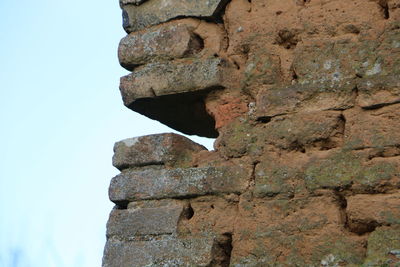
[[303, 97]]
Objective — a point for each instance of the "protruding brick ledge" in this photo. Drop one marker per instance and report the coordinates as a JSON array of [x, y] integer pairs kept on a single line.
[[163, 43], [138, 17], [175, 77], [157, 149], [173, 92]]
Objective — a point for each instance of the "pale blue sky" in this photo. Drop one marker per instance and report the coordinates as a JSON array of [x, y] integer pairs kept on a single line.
[[60, 115]]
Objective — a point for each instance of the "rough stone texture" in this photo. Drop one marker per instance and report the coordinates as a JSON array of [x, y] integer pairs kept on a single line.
[[369, 128], [303, 99], [158, 149], [145, 218], [383, 247], [159, 79], [366, 212], [297, 232], [379, 91], [183, 38], [133, 185], [166, 252], [163, 43], [158, 11]]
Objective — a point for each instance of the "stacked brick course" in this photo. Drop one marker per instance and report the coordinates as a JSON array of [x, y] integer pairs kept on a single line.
[[303, 98]]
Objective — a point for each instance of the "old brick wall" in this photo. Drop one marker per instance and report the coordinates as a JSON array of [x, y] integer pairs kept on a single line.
[[303, 97]]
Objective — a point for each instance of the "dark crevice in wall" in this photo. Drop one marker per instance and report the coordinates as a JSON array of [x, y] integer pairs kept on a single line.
[[296, 146], [342, 205], [188, 212], [386, 14], [184, 112], [359, 227], [252, 181], [221, 11], [287, 39], [121, 205], [222, 251], [362, 227], [381, 105], [196, 45], [294, 76], [264, 119]]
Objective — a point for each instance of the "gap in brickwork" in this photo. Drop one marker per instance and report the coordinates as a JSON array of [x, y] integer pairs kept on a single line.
[[222, 251], [190, 118]]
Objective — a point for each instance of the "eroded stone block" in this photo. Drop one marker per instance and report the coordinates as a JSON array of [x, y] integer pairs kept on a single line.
[[383, 247], [153, 12], [303, 130], [294, 132], [212, 215], [162, 43], [145, 218], [159, 79], [373, 128], [345, 169], [330, 61], [378, 91], [160, 183], [305, 98], [157, 149], [365, 212], [165, 252], [283, 176], [295, 232]]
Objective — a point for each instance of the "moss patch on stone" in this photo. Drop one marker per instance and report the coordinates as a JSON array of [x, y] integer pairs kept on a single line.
[[381, 245], [343, 169]]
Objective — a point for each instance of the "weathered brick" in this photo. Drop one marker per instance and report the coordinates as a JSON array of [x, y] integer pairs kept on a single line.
[[161, 43], [293, 132], [337, 61], [157, 149], [153, 12], [160, 183], [165, 252], [303, 130], [365, 212], [378, 91], [305, 98], [370, 128], [287, 232], [383, 247], [282, 176], [153, 218], [328, 61], [351, 169], [159, 79]]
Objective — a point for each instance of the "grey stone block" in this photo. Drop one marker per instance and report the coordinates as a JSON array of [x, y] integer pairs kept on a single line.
[[161, 43], [153, 218], [153, 12], [305, 98], [378, 91], [180, 76], [165, 252], [133, 185], [155, 149]]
